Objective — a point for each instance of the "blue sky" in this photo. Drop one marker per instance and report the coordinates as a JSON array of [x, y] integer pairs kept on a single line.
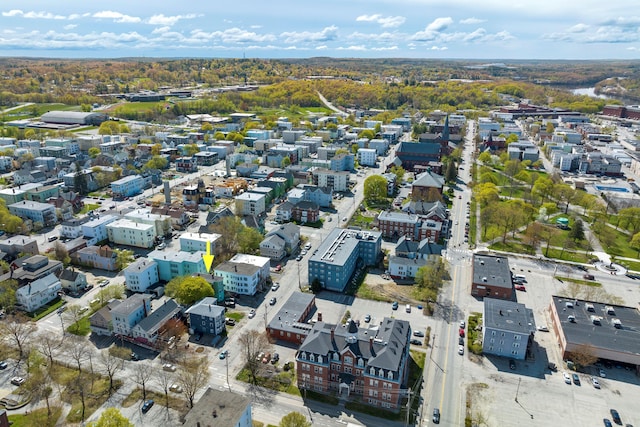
[[469, 29]]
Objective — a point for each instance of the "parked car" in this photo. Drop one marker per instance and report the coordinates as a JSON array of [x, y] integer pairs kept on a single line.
[[460, 350], [567, 378], [278, 268], [252, 313], [17, 381], [418, 334], [176, 388], [229, 321], [552, 366], [266, 358], [275, 286], [616, 416], [147, 405], [134, 356], [588, 277], [273, 301], [394, 305], [595, 382], [461, 332], [275, 358], [299, 258], [607, 422], [436, 416], [222, 355], [512, 364], [3, 365], [576, 379], [543, 328], [168, 367], [260, 356], [520, 288], [367, 318], [462, 324], [602, 373], [415, 342], [460, 341]]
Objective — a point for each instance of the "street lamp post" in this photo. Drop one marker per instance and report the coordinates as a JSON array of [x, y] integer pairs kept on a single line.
[[227, 359]]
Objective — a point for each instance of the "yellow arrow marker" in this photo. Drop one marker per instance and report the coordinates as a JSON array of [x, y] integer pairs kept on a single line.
[[208, 258]]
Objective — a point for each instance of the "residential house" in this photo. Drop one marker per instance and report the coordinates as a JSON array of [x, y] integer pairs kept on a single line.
[[206, 317], [273, 247], [72, 280], [411, 255], [290, 235], [283, 211], [100, 257], [129, 313], [186, 164], [161, 223], [244, 274], [128, 186], [95, 231], [29, 269], [367, 156], [149, 329], [72, 228], [197, 242], [508, 328], [130, 233], [250, 204], [101, 322], [40, 213], [38, 293], [305, 212], [368, 364], [141, 275], [179, 217], [227, 410], [19, 244], [177, 263]]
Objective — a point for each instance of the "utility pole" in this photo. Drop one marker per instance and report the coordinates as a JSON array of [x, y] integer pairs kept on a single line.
[[406, 423], [299, 283], [265, 317], [227, 359]]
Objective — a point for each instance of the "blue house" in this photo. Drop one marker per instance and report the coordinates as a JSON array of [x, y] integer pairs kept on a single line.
[[206, 317], [128, 186]]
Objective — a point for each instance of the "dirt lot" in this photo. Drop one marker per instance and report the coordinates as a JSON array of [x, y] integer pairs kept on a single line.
[[375, 287]]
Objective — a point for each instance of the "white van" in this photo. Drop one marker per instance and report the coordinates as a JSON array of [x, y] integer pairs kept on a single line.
[[408, 308], [519, 278]]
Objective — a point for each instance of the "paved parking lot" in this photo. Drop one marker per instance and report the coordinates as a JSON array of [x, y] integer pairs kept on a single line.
[[543, 398]]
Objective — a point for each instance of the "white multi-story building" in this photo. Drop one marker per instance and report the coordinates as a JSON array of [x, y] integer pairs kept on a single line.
[[42, 213], [129, 233], [244, 274], [38, 293], [140, 275], [161, 223], [250, 204], [194, 242], [95, 231], [337, 181], [367, 156]]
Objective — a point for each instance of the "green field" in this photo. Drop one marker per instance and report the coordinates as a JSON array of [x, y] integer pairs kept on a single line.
[[36, 110]]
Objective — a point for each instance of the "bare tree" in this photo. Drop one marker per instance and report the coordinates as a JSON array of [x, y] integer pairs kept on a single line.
[[80, 387], [142, 376], [76, 349], [111, 365], [584, 355], [251, 343], [164, 379], [19, 333], [48, 345], [193, 376], [72, 315]]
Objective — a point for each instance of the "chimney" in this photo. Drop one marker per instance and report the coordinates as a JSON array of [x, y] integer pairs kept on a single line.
[[371, 344], [332, 334]]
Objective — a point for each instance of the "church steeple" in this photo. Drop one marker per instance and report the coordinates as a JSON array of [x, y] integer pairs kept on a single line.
[[445, 129]]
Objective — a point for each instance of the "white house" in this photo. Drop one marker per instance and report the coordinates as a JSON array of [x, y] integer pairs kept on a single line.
[[95, 231], [367, 156], [244, 274], [194, 242], [148, 329], [129, 233], [72, 228], [38, 293], [250, 204], [140, 275]]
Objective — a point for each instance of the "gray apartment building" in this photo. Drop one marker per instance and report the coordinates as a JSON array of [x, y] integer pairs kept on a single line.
[[508, 328]]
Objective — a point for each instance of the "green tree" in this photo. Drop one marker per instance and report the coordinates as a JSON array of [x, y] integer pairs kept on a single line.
[[109, 127], [635, 243], [80, 180], [294, 419], [286, 161], [485, 157], [8, 294], [375, 188], [156, 162], [94, 152], [451, 173], [188, 290], [111, 417], [367, 133], [124, 257], [191, 149], [399, 172], [316, 286], [577, 231], [193, 376]]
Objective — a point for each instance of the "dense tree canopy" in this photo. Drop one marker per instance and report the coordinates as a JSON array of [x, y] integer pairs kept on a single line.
[[375, 188], [188, 290]]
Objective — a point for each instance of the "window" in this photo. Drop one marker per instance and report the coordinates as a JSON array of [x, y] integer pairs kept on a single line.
[[348, 360], [347, 369], [303, 356]]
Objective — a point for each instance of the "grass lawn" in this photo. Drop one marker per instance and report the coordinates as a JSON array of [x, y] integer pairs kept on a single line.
[[81, 327], [89, 207], [516, 192], [132, 107], [367, 292], [136, 397], [37, 110], [474, 320], [235, 315], [94, 399], [631, 265], [36, 418], [567, 256], [49, 308], [579, 281], [512, 246], [620, 246], [284, 381]]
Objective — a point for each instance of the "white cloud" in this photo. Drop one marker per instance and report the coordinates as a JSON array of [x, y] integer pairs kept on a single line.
[[471, 21], [160, 30], [438, 48], [439, 24], [14, 12], [356, 48], [385, 49], [296, 37], [168, 20], [255, 27], [631, 21], [323, 47], [384, 21], [117, 17], [69, 26], [43, 15], [578, 28]]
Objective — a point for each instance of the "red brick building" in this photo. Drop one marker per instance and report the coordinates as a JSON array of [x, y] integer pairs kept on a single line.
[[491, 277], [370, 366], [305, 212], [290, 323]]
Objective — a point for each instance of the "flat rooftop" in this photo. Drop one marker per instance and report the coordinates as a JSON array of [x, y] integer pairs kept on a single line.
[[508, 316], [340, 243], [492, 271], [626, 339]]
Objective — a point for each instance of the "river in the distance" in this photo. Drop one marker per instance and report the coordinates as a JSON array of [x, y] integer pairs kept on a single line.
[[591, 91]]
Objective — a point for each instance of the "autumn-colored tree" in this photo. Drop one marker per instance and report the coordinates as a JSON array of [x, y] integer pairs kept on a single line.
[[583, 355]]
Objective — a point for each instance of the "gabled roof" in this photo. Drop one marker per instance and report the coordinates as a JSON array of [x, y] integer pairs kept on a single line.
[[131, 304], [274, 240], [418, 148], [206, 307], [428, 179], [159, 316], [69, 275]]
